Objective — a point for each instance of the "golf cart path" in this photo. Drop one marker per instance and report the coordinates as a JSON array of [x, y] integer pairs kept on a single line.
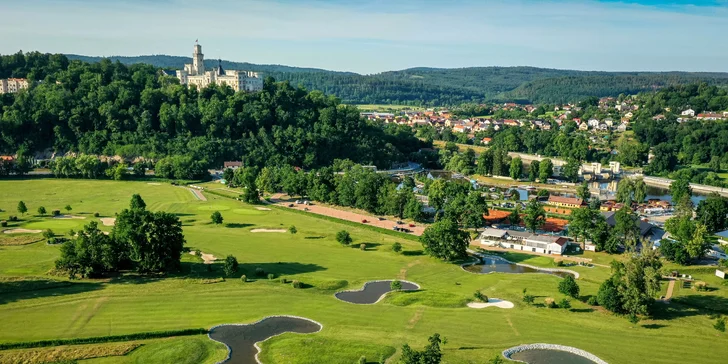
[[197, 193], [670, 287], [315, 208]]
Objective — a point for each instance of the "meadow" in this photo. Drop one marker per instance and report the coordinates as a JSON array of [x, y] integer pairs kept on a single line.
[[36, 304]]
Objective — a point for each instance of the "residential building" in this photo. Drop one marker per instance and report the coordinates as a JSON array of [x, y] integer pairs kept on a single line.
[[710, 116], [645, 227], [486, 141], [570, 202], [688, 112], [13, 85], [195, 74], [232, 165], [593, 123], [583, 127], [524, 241]]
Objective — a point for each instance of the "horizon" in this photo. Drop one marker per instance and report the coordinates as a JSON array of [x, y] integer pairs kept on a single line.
[[374, 37]]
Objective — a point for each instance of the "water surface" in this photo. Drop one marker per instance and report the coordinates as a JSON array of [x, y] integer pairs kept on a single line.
[[489, 265]]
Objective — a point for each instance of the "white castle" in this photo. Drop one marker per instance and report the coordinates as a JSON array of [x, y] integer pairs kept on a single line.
[[195, 74]]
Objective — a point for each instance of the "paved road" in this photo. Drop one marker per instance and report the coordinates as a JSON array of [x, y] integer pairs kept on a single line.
[[282, 200]]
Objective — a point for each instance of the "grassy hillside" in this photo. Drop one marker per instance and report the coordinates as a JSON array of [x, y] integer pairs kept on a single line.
[[35, 305], [440, 86]]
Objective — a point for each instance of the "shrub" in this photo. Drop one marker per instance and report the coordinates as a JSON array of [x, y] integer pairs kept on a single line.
[[13, 218], [96, 214], [528, 299], [244, 278], [48, 234], [41, 211], [216, 218], [271, 276], [396, 247], [569, 287], [720, 324], [363, 246], [292, 229], [593, 301], [56, 212], [564, 303], [559, 263], [259, 272], [701, 286], [297, 284], [633, 318], [480, 296], [3, 223], [549, 302], [395, 285], [343, 237]]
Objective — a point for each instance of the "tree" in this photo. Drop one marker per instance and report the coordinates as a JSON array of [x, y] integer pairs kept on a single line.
[[153, 241], [535, 215], [445, 241], [674, 251], [230, 266], [118, 172], [625, 190], [570, 171], [680, 188], [396, 247], [41, 211], [395, 285], [569, 287], [583, 191], [534, 170], [626, 225], [712, 213], [632, 285], [68, 208], [48, 234], [22, 209], [436, 194], [292, 230], [515, 217], [228, 175], [714, 164], [216, 218], [581, 222], [639, 190], [246, 177], [139, 169], [89, 255], [545, 169], [413, 210], [266, 180], [432, 353], [516, 169], [475, 210], [700, 242], [608, 296], [343, 237], [137, 203]]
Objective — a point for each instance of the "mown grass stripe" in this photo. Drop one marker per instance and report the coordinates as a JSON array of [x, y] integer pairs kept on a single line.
[[102, 339]]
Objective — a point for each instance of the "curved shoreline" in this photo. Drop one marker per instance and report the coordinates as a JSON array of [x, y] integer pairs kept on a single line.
[[363, 288], [542, 270], [541, 346], [230, 350]]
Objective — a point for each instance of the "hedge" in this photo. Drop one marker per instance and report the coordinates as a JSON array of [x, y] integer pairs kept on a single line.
[[102, 339]]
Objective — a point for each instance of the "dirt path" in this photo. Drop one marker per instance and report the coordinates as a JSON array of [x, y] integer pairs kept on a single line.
[[279, 200], [670, 288]]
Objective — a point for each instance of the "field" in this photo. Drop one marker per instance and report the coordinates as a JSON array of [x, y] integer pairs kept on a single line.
[[35, 305]]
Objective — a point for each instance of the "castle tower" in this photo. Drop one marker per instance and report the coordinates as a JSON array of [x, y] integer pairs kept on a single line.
[[198, 61]]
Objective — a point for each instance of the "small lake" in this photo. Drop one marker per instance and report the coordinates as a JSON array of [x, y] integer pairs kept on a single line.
[[490, 265], [543, 356], [372, 292]]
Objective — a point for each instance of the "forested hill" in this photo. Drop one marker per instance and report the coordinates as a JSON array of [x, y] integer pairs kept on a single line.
[[437, 86]]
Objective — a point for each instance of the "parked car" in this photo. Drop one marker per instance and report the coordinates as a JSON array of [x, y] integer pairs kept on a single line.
[[411, 225], [364, 221], [290, 205], [298, 202], [396, 228], [381, 219], [399, 222]]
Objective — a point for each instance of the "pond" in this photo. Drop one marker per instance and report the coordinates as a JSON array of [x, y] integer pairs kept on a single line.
[[608, 190], [543, 356], [494, 264], [241, 339], [373, 292]]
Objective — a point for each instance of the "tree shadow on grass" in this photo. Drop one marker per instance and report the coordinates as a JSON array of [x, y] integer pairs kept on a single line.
[[582, 310], [653, 326], [692, 305], [250, 270], [182, 214], [412, 253], [367, 246], [235, 225], [313, 237], [18, 290]]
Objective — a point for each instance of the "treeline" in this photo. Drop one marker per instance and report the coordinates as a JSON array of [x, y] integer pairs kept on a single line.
[[132, 111], [351, 185], [440, 87], [102, 339]]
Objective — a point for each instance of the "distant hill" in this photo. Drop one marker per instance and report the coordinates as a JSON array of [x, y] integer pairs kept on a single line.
[[440, 86]]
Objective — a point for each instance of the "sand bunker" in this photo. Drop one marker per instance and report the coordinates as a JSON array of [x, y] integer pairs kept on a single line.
[[108, 221], [208, 258], [69, 217], [268, 231], [373, 292], [21, 231], [262, 208], [242, 339], [491, 302]]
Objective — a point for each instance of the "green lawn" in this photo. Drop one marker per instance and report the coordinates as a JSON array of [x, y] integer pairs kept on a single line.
[[35, 309]]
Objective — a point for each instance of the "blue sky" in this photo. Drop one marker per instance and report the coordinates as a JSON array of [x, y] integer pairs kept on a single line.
[[379, 35]]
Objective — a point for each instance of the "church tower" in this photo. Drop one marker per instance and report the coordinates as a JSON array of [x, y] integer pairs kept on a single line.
[[198, 62]]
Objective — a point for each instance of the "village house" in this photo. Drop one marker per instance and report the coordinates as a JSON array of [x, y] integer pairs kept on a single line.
[[570, 202], [524, 241], [629, 115], [711, 116], [583, 127], [232, 165], [609, 122], [486, 141], [688, 112]]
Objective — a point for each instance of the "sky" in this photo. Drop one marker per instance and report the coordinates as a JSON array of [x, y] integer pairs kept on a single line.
[[381, 35]]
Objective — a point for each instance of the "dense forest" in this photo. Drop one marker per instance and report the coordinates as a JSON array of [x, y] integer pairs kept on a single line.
[[441, 87], [108, 108]]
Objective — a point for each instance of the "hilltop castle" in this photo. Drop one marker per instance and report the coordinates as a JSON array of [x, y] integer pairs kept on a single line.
[[195, 74]]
